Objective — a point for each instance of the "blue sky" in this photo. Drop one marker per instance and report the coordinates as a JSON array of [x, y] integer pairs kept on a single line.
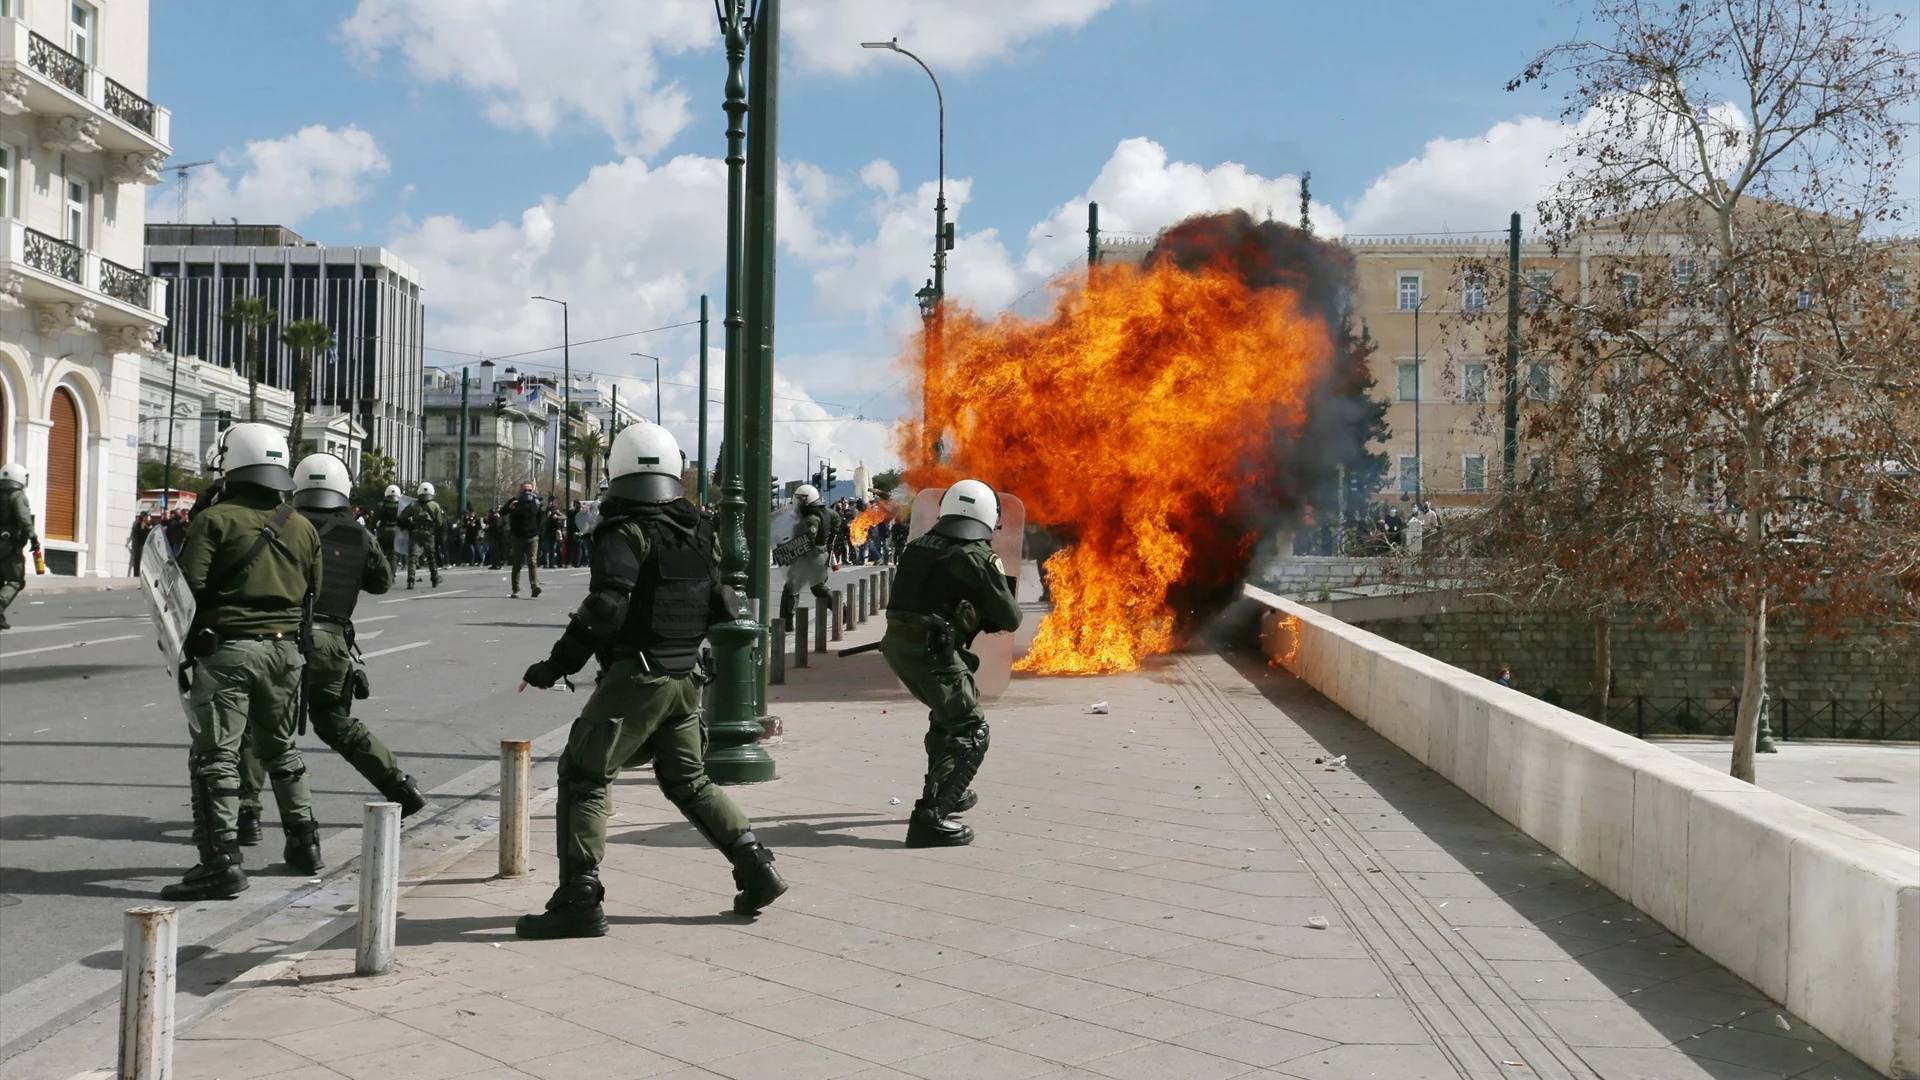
[[577, 155]]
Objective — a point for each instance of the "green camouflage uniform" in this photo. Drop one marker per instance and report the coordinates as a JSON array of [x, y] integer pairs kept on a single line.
[[250, 683], [386, 526], [423, 520], [964, 583], [16, 522]]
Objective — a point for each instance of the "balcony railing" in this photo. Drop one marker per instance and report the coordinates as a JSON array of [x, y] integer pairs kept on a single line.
[[123, 284], [129, 106], [57, 64], [54, 256]]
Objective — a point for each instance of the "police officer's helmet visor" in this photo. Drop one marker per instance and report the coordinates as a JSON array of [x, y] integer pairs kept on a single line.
[[11, 485], [277, 477], [960, 527], [646, 487], [319, 498]]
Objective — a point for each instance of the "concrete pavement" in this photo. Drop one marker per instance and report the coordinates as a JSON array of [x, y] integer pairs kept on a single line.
[[1146, 899]]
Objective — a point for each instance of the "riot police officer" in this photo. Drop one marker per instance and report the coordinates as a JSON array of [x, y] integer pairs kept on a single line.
[[654, 590], [253, 565], [16, 532], [816, 524], [352, 565], [423, 521], [386, 522], [951, 587]]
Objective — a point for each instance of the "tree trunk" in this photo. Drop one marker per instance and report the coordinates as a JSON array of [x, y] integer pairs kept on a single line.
[[253, 377], [297, 426], [1746, 725], [1603, 661]]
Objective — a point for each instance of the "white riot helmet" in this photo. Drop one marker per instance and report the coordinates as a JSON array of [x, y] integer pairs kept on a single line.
[[320, 482], [256, 454], [13, 476], [392, 492], [425, 491], [968, 511], [644, 465], [806, 495]]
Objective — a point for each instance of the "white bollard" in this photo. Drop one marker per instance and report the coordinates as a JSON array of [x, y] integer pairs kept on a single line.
[[516, 778], [379, 888], [148, 951]]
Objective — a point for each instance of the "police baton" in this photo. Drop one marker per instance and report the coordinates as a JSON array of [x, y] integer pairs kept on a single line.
[[858, 649]]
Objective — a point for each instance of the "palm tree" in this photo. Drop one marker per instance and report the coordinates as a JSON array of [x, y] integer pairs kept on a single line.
[[251, 313], [590, 444], [306, 338]]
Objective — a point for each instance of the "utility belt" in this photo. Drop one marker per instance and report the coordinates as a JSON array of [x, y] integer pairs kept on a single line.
[[203, 642], [932, 631], [647, 663]]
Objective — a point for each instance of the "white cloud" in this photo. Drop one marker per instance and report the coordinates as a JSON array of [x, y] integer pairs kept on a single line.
[[601, 59], [284, 181], [1470, 185]]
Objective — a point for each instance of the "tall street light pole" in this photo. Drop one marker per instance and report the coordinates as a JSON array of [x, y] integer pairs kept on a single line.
[[932, 307], [656, 382], [704, 467], [1419, 464], [565, 454], [806, 477]]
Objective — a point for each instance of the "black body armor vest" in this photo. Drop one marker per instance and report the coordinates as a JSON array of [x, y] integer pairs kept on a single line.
[[343, 559], [926, 586], [668, 615]]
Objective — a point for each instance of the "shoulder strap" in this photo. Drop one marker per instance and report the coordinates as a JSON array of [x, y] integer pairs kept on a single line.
[[267, 534]]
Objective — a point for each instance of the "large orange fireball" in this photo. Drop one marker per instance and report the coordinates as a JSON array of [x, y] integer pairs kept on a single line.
[[1135, 419]]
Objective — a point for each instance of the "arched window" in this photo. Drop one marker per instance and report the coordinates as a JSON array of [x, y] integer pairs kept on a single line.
[[63, 469]]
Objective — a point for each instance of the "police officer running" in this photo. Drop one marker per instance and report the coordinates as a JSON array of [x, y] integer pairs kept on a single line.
[[816, 524], [386, 522], [16, 531], [423, 521], [253, 565], [523, 517], [654, 590], [951, 587], [352, 565]]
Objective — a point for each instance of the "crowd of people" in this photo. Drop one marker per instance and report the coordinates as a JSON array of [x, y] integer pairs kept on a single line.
[[884, 540], [1375, 530]]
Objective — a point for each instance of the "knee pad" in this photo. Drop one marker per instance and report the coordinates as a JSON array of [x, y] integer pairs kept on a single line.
[[684, 795], [288, 776]]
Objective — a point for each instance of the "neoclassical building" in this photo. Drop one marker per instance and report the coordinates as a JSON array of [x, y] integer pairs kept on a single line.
[[78, 142]]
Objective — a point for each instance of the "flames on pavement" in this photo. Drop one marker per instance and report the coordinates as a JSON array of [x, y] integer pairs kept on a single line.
[[1138, 420], [865, 520]]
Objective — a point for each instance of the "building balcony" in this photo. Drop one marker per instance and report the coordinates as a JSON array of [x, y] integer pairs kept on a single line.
[[71, 290], [80, 109]]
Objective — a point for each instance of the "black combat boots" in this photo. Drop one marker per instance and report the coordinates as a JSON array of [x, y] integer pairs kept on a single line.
[[928, 828], [400, 788], [218, 877], [303, 847], [753, 874], [574, 911], [248, 831]]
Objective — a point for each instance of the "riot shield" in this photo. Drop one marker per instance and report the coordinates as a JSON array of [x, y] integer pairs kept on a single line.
[[402, 537], [1009, 542], [169, 603]]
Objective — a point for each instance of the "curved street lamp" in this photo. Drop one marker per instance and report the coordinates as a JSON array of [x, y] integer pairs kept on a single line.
[[941, 238]]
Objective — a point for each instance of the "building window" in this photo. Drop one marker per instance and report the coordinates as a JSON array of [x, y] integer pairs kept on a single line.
[[1684, 269], [1473, 472], [1408, 387], [1538, 471], [1473, 292], [473, 425], [452, 461], [1539, 382], [1409, 473], [6, 177], [1539, 288], [78, 200], [452, 425], [1473, 383], [1630, 290], [473, 464], [80, 32], [1896, 291], [1626, 373], [1409, 292]]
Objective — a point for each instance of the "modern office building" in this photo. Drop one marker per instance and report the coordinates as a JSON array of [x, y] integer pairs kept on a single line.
[[369, 298], [78, 143]]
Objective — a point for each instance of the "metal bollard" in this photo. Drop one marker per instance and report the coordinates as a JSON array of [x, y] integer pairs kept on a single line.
[[777, 653], [846, 610], [860, 600], [516, 777], [838, 616], [821, 621], [886, 587], [379, 888], [800, 637], [149, 947]]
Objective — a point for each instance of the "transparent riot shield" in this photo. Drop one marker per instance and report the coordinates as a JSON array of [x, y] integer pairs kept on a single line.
[[169, 603], [1009, 542]]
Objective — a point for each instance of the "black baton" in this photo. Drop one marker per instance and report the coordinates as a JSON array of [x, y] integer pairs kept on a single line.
[[858, 649]]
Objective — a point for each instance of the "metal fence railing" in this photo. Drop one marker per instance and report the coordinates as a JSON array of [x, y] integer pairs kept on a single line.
[[1641, 716]]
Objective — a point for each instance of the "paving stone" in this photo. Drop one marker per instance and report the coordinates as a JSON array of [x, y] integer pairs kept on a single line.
[[1069, 1041]]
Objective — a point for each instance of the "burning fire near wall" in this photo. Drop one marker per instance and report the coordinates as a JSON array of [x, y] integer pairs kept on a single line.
[[1149, 420]]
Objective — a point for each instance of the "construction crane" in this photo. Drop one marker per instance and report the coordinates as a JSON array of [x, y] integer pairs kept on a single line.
[[180, 180]]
